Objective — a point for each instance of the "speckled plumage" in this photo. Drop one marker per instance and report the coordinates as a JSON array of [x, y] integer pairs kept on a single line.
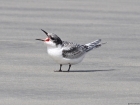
[[72, 50], [67, 53]]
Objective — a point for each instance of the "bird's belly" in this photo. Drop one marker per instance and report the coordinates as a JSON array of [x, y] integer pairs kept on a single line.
[[73, 61], [66, 61], [57, 56]]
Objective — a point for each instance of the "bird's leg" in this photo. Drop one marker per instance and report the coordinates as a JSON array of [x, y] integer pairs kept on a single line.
[[60, 67], [69, 67]]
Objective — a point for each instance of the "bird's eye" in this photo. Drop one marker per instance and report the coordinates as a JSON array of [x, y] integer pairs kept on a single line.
[[52, 38]]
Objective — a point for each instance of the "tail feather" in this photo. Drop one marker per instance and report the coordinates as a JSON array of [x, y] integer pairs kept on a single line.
[[92, 45]]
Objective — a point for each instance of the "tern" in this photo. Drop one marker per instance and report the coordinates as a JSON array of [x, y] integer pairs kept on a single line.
[[65, 52]]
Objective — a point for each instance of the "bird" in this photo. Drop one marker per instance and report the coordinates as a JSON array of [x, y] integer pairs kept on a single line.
[[65, 52]]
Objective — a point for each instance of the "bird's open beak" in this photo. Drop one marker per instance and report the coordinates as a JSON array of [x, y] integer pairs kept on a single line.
[[40, 39], [45, 33]]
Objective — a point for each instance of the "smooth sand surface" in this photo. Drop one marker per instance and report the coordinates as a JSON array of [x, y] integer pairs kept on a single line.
[[109, 75]]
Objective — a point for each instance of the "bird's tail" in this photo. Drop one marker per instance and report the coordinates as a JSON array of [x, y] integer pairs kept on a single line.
[[92, 45]]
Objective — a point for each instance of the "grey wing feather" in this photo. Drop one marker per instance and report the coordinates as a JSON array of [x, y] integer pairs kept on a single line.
[[93, 45], [72, 50]]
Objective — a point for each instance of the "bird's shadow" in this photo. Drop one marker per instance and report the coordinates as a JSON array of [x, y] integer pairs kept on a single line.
[[90, 70]]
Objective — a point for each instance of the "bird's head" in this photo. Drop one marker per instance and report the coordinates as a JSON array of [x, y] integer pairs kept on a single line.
[[51, 40]]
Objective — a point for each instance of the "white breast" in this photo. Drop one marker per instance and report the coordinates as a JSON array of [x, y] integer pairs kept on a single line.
[[56, 54]]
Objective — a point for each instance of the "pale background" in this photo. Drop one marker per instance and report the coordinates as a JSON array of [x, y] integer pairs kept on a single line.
[[109, 75]]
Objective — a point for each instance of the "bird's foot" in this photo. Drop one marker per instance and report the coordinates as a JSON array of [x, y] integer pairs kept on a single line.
[[58, 71]]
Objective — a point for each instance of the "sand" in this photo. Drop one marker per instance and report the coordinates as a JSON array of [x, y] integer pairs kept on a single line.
[[109, 75]]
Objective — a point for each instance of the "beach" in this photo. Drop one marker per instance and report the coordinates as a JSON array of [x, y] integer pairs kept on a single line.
[[108, 75]]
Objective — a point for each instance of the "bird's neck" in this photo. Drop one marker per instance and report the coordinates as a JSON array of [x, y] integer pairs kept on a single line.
[[54, 47]]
